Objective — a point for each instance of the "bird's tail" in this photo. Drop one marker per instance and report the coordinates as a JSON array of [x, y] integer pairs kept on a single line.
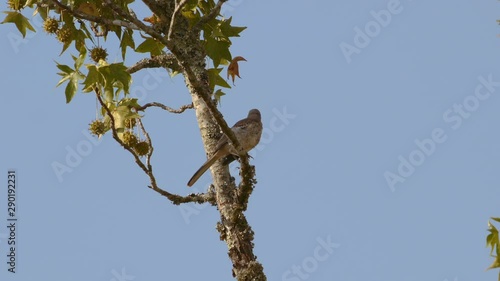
[[205, 167]]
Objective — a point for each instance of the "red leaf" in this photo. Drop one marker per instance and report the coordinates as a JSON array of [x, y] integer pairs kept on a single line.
[[233, 69]]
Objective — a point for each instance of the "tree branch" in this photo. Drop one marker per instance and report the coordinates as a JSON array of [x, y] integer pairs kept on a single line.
[[247, 184], [102, 20], [164, 107], [203, 92], [177, 10], [165, 60], [149, 30], [174, 198]]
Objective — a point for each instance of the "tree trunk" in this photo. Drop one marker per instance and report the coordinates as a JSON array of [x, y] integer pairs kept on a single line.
[[233, 227]]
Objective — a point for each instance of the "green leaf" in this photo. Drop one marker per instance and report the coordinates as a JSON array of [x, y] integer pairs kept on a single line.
[[84, 28], [215, 79], [496, 219], [42, 11], [21, 22], [492, 240], [230, 31], [120, 114], [71, 87], [117, 72], [190, 12], [64, 68], [30, 3], [130, 103], [206, 6], [127, 41], [65, 47], [210, 27], [495, 264], [16, 4], [74, 35], [108, 94], [65, 78], [66, 73], [217, 50], [80, 37], [218, 94], [150, 45], [80, 59], [93, 78]]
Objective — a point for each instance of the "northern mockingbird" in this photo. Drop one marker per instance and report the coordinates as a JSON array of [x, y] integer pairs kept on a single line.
[[247, 131]]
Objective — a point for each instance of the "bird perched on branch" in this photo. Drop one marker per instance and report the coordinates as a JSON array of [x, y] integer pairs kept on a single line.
[[247, 131]]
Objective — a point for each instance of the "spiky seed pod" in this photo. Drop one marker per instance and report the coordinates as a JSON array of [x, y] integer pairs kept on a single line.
[[129, 139], [13, 6], [98, 53], [51, 25], [130, 123], [142, 148], [64, 34], [97, 128]]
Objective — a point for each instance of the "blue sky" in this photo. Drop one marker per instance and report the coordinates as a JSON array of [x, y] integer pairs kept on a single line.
[[411, 102]]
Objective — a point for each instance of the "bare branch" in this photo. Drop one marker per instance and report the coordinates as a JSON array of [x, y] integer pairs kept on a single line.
[[167, 108], [177, 10], [176, 199], [199, 198], [166, 61], [96, 19]]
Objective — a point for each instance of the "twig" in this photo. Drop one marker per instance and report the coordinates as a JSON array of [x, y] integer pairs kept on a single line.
[[164, 107], [178, 8], [150, 143]]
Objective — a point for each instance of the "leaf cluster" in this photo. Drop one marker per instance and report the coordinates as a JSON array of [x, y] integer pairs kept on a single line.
[[493, 241], [82, 22]]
